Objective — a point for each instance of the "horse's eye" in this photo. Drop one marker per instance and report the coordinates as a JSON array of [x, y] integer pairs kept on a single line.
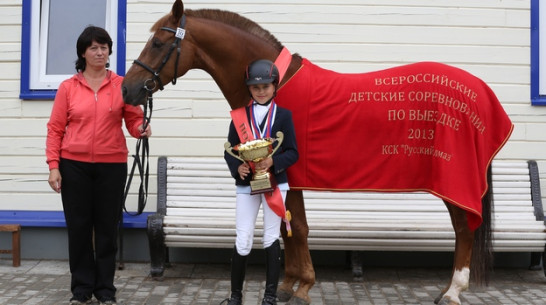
[[156, 43]]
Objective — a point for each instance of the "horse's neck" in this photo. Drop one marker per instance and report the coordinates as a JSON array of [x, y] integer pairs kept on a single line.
[[224, 52]]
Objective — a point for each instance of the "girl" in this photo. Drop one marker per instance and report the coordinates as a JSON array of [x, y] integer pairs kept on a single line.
[[265, 118]]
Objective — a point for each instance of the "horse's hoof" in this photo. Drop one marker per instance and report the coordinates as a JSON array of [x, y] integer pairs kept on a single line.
[[297, 301], [448, 301], [284, 295], [438, 298]]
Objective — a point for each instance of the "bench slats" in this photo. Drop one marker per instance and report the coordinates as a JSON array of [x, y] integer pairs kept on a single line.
[[376, 232], [199, 205], [354, 244], [372, 212], [172, 224], [187, 195]]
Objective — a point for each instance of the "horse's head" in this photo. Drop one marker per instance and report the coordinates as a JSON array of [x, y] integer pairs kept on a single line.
[[221, 43], [164, 58]]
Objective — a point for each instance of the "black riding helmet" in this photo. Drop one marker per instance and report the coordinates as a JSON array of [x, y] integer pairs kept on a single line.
[[262, 71]]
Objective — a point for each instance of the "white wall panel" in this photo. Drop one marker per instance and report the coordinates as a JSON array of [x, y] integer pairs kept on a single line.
[[489, 38]]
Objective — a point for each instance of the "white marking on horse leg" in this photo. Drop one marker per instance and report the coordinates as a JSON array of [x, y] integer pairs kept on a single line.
[[459, 283]]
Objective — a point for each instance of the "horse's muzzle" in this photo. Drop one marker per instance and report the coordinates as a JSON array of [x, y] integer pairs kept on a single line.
[[133, 96]]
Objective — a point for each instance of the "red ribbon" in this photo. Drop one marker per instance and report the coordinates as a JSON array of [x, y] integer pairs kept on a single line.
[[240, 121], [274, 199]]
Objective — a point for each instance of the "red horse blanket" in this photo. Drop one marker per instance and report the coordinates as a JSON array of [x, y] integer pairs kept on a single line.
[[420, 127]]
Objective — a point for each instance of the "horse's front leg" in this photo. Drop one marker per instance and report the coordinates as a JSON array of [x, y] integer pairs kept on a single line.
[[297, 259], [460, 276]]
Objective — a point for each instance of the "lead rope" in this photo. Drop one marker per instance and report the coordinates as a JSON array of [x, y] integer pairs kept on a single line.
[[141, 161], [142, 144]]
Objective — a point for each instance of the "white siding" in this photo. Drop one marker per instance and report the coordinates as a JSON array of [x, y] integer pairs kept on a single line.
[[489, 38]]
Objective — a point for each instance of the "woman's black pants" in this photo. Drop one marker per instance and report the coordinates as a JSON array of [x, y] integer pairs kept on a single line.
[[92, 196]]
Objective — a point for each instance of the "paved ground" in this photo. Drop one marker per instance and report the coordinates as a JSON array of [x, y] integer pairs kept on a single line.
[[47, 282]]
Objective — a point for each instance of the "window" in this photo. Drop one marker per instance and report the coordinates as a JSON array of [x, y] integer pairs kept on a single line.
[[538, 59], [50, 31]]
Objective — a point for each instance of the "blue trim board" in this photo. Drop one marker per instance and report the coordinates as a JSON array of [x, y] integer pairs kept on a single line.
[[536, 98], [56, 219], [25, 93], [122, 37]]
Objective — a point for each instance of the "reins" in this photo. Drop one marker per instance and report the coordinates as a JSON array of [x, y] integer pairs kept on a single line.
[[143, 164], [142, 144], [142, 161]]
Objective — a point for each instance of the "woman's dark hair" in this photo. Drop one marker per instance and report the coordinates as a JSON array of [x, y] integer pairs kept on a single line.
[[90, 34]]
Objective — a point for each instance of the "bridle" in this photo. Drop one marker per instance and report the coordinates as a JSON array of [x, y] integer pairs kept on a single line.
[[179, 33], [142, 143]]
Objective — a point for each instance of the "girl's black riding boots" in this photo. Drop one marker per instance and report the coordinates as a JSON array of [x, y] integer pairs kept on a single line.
[[238, 269], [273, 269]]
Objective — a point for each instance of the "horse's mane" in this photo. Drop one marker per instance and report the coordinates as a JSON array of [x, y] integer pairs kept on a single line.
[[229, 18]]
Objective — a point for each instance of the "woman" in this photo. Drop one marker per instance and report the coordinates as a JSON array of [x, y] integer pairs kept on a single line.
[[87, 156]]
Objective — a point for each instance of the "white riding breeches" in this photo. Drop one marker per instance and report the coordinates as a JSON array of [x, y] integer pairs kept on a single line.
[[247, 208]]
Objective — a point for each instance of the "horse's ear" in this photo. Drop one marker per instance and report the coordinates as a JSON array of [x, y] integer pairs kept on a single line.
[[178, 9]]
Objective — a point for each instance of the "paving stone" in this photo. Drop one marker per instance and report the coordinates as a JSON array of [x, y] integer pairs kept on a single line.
[[47, 282]]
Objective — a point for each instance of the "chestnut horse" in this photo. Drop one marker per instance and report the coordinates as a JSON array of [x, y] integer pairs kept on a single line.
[[222, 44]]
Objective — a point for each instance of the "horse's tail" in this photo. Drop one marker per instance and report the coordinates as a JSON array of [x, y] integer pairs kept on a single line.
[[482, 253]]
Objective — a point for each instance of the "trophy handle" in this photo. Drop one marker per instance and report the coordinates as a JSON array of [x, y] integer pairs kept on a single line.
[[227, 147], [280, 138]]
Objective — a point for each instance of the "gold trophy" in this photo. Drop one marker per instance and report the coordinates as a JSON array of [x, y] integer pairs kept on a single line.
[[256, 151]]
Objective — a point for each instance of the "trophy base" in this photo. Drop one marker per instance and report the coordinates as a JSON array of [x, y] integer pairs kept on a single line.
[[264, 185]]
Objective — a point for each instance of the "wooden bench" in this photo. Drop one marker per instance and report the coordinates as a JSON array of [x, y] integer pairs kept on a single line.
[[196, 209], [15, 249]]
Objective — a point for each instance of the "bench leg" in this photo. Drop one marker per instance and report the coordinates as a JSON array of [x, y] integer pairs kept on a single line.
[[156, 240], [356, 265], [167, 258], [15, 250], [536, 257], [16, 247], [544, 260]]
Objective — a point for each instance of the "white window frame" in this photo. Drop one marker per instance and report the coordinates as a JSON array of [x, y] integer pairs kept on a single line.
[[35, 83]]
